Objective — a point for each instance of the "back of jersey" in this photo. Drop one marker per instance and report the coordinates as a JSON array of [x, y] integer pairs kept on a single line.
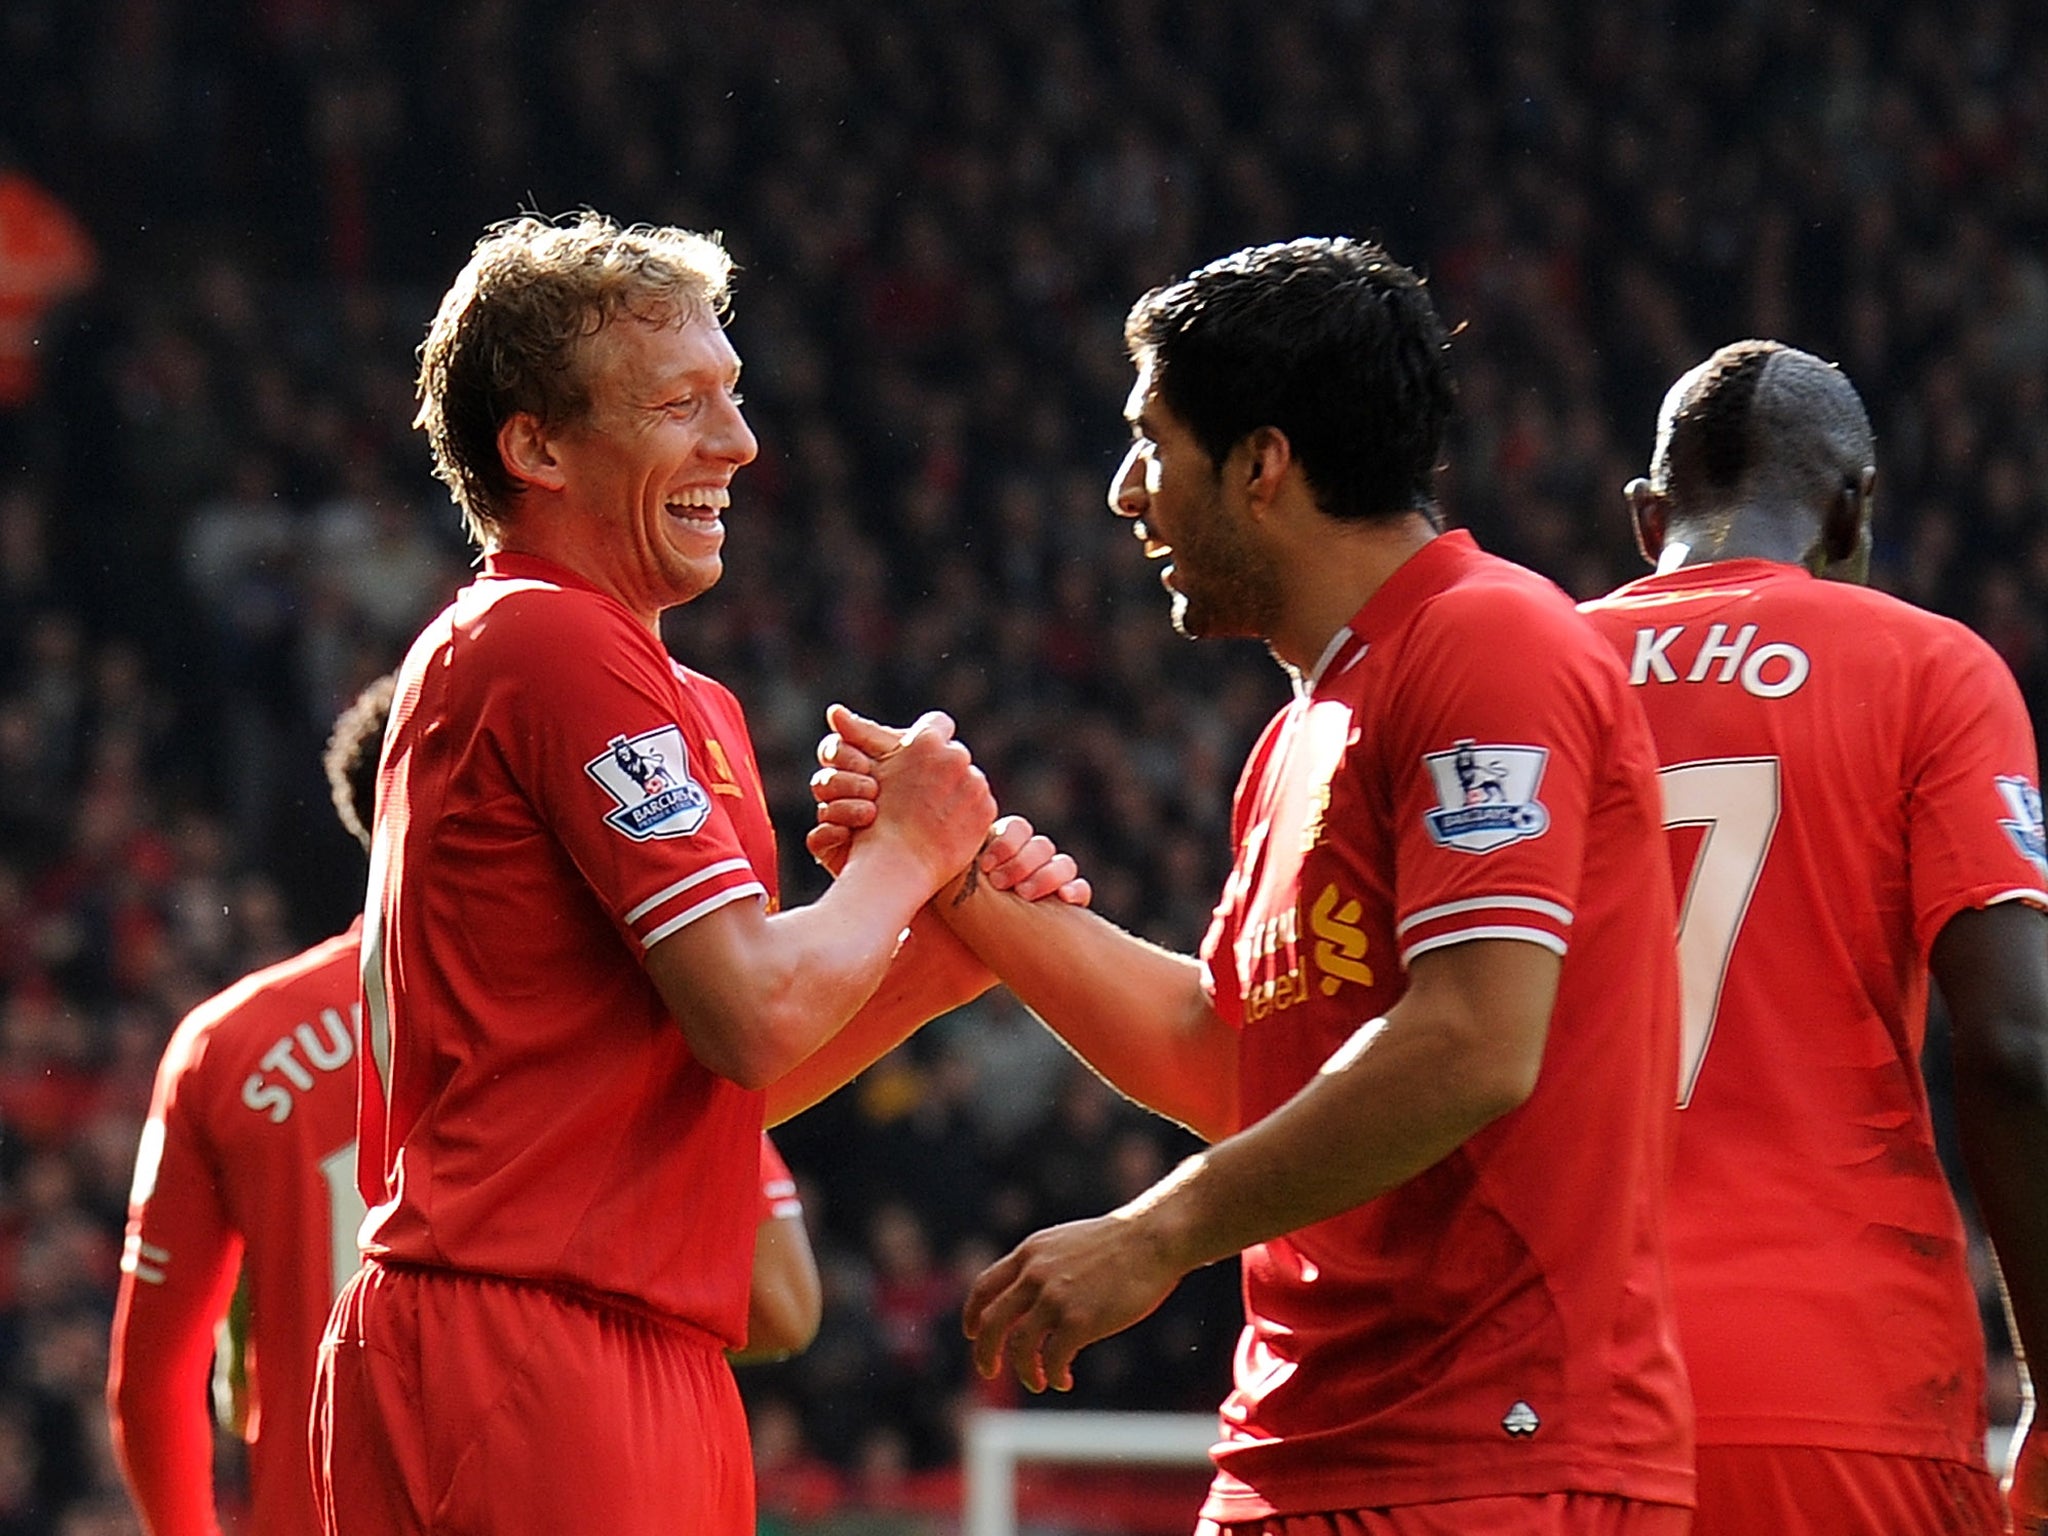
[[1842, 773]]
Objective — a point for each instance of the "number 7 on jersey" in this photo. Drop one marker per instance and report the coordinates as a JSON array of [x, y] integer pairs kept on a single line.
[[1735, 799]]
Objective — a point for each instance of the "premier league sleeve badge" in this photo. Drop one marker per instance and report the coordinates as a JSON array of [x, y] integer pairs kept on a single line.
[[1486, 796], [649, 777]]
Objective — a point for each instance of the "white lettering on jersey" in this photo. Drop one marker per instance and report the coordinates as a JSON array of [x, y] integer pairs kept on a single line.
[[1770, 671], [1651, 644], [262, 1093]]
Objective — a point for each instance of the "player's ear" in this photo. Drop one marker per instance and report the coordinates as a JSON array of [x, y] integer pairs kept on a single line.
[[1649, 513], [528, 450], [1262, 459], [1845, 528]]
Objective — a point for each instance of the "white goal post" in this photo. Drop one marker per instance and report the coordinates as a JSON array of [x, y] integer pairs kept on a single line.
[[997, 1439]]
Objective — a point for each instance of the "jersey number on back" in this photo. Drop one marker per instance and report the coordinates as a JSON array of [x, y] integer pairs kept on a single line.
[[1735, 800]]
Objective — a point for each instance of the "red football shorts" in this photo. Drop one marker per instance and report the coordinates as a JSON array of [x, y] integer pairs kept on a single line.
[[1535, 1514], [455, 1404], [1805, 1490]]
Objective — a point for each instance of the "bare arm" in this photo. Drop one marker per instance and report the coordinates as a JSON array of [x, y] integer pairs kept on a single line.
[[930, 975], [933, 972], [1462, 1048], [1992, 966], [756, 993], [786, 1302], [1135, 1012]]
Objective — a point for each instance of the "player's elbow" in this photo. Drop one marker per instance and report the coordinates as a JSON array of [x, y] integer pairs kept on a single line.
[[755, 1045], [2002, 1060], [782, 1326], [1492, 1071], [1502, 1087]]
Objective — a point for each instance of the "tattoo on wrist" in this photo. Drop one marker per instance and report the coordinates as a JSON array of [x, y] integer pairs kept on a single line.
[[973, 872]]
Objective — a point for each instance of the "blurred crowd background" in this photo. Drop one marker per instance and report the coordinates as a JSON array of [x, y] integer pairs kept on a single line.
[[223, 228]]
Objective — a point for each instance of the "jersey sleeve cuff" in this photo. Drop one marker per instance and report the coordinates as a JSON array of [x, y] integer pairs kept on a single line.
[[678, 905], [1529, 919]]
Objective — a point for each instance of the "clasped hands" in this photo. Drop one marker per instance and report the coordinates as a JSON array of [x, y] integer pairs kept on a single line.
[[855, 762]]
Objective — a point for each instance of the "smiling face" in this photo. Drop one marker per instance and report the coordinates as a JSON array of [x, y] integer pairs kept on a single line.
[[644, 476], [1222, 581]]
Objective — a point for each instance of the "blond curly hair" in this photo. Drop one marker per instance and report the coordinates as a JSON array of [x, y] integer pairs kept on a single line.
[[512, 332]]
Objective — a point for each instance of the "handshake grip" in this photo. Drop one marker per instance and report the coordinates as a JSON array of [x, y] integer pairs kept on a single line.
[[930, 794], [917, 788], [937, 801]]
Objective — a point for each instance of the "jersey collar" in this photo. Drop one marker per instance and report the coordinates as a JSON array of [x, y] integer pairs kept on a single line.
[[1432, 568], [1708, 576], [510, 566]]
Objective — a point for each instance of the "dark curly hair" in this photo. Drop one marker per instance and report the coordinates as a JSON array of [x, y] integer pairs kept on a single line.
[[351, 757], [1331, 341]]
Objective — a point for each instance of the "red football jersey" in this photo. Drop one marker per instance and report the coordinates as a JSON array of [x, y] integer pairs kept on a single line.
[[1464, 763], [779, 1199], [1844, 773], [248, 1157], [555, 797]]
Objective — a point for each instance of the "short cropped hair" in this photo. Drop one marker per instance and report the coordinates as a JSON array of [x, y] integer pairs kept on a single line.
[[511, 331], [351, 757], [1760, 421], [1331, 341]]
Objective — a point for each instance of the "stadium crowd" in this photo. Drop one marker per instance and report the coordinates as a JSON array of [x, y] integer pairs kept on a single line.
[[216, 522]]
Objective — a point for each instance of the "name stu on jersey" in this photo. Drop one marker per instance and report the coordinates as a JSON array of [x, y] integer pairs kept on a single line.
[[326, 1047], [1683, 653]]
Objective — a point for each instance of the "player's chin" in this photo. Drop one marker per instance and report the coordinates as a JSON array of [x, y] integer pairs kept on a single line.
[[693, 577]]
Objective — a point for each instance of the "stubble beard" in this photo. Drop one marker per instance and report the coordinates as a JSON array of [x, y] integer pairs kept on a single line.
[[1234, 589]]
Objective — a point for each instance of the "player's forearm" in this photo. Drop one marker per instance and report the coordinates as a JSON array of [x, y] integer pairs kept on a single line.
[[932, 974], [756, 995], [786, 1302], [2002, 1111], [1399, 1097], [1134, 1012], [1992, 966]]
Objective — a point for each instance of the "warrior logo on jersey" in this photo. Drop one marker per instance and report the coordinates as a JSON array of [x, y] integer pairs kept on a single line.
[[1521, 1421], [2025, 830], [649, 776], [1486, 796]]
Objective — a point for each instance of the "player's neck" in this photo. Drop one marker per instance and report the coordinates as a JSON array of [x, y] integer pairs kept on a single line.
[[1745, 534], [1334, 574]]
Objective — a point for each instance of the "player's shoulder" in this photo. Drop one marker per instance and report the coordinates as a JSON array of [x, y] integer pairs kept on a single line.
[[253, 1009], [1507, 613], [705, 688], [1915, 639], [507, 617]]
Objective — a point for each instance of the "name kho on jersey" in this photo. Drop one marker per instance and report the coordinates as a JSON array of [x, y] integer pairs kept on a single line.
[[1680, 652]]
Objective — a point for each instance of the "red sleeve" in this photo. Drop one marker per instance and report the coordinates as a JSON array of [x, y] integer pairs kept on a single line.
[[178, 1270], [1973, 828], [610, 750], [778, 1186], [1493, 743]]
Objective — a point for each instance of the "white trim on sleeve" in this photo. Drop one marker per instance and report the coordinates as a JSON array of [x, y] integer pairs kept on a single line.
[[708, 904], [688, 882], [1537, 936], [2025, 893], [1482, 903]]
